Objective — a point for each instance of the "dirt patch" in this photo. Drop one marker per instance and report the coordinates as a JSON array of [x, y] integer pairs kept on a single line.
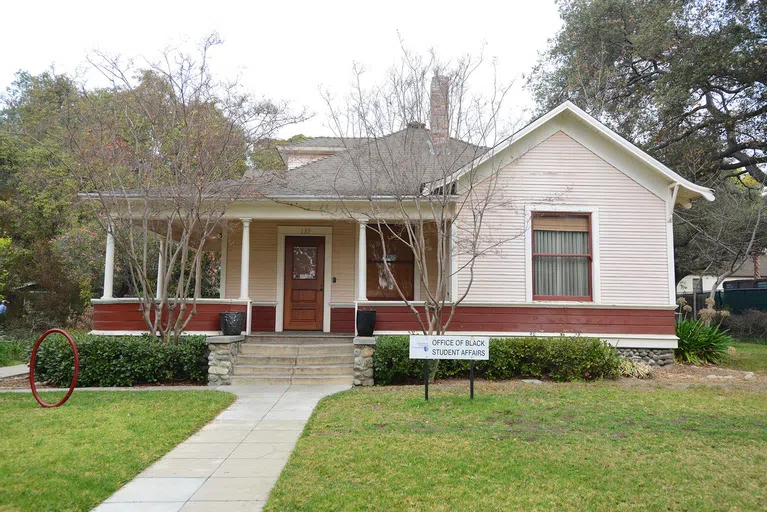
[[20, 382]]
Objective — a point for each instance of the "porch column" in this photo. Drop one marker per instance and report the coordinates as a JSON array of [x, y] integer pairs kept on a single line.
[[454, 260], [109, 265], [224, 254], [160, 271], [245, 261], [362, 262]]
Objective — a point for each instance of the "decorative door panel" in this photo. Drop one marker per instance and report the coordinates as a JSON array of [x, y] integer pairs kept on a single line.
[[304, 282]]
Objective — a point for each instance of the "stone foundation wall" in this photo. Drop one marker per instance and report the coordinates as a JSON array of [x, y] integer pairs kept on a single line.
[[222, 357], [364, 348], [651, 356]]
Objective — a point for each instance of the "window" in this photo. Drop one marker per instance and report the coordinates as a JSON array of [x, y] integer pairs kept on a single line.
[[562, 256], [399, 258]]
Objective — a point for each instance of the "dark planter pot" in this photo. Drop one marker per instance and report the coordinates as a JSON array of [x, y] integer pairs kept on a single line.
[[366, 322], [231, 322]]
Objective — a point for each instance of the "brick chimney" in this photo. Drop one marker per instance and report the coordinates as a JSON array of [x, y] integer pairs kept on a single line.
[[438, 113]]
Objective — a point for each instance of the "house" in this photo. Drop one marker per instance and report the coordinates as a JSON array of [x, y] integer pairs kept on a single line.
[[592, 211]]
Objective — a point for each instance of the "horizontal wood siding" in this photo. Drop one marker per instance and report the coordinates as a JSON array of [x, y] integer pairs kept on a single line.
[[263, 259], [531, 320], [263, 318], [632, 225], [342, 320], [128, 317]]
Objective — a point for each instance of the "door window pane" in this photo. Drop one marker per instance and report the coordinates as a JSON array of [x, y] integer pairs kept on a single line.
[[304, 262]]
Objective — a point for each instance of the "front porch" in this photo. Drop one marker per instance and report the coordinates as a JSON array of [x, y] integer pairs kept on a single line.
[[286, 275]]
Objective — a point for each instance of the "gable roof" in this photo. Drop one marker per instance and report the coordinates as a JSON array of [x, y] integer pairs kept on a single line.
[[687, 192], [395, 164]]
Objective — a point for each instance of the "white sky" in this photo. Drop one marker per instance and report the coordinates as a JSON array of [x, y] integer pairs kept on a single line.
[[281, 50]]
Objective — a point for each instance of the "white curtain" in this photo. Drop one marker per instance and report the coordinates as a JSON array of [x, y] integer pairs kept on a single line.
[[558, 275]]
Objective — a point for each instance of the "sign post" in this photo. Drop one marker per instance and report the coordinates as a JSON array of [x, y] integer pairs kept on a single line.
[[473, 348]]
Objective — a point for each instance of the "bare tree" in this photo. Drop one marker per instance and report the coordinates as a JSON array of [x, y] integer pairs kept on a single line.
[[159, 151], [403, 180], [718, 238]]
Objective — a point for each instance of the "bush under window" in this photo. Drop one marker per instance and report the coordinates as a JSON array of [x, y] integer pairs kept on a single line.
[[557, 358]]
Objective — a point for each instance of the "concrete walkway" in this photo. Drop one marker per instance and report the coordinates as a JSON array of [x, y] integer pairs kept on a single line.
[[233, 462], [13, 371]]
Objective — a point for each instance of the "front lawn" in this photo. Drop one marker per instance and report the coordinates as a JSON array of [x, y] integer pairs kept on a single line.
[[751, 357], [604, 446], [75, 456]]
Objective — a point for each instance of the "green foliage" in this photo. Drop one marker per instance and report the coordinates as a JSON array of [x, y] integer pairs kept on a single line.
[[265, 155], [11, 257], [560, 359], [11, 352], [122, 360], [700, 343]]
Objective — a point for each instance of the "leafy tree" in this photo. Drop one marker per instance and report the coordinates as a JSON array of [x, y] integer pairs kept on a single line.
[[265, 155], [684, 79]]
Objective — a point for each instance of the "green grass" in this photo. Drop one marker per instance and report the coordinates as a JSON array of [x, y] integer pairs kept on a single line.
[[751, 357], [521, 447], [75, 456]]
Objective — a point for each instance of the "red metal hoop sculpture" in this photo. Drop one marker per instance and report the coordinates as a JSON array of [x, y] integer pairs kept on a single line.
[[32, 367]]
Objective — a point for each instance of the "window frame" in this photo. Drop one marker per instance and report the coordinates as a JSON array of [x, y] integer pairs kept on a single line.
[[370, 259], [589, 256]]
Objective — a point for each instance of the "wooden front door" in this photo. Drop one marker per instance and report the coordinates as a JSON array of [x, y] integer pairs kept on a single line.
[[304, 282]]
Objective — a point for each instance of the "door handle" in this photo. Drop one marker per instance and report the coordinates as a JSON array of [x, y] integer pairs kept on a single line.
[[322, 288]]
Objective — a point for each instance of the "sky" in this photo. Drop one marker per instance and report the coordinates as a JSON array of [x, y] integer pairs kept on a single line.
[[283, 50]]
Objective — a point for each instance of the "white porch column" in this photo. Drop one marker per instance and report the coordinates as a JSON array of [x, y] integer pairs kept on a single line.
[[109, 265], [160, 271], [245, 262], [454, 260], [224, 253], [362, 262]]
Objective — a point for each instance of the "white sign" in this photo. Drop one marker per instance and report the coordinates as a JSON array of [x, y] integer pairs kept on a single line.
[[450, 347]]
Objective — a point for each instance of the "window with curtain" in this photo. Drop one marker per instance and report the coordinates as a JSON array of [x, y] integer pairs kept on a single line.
[[401, 262], [561, 256]]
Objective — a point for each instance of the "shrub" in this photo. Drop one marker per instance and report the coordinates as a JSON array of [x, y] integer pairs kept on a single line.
[[635, 369], [122, 360], [700, 343], [750, 325], [11, 352], [561, 359]]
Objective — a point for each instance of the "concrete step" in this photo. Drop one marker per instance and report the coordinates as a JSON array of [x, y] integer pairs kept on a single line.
[[247, 359], [266, 370], [289, 379], [298, 339], [295, 350]]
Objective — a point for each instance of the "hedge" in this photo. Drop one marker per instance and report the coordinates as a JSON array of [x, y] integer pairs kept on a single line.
[[557, 358], [122, 360]]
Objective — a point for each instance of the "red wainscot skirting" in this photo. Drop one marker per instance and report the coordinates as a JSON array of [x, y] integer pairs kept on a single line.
[[263, 318], [550, 319], [342, 319], [126, 316]]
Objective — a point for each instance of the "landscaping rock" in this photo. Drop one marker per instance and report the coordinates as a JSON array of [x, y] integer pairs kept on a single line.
[[223, 355], [651, 356], [532, 381], [749, 376], [364, 348]]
